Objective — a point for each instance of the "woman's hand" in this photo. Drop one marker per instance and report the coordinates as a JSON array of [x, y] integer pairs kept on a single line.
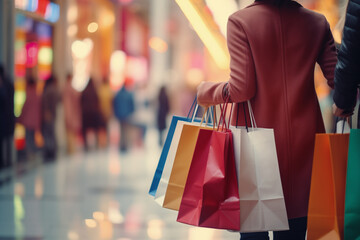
[[342, 112]]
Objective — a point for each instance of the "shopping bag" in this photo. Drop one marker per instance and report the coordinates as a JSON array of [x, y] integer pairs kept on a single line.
[[327, 189], [211, 197], [164, 180], [167, 144], [352, 195], [262, 204], [165, 151], [181, 164]]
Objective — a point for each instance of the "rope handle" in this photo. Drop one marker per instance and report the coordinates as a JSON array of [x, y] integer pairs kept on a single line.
[[251, 115], [222, 118]]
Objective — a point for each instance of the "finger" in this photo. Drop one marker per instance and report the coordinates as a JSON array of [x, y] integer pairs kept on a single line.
[[346, 114]]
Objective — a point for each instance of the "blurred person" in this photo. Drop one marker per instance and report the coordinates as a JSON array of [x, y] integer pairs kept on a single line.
[[91, 114], [144, 114], [72, 112], [347, 71], [30, 117], [7, 117], [49, 102], [274, 46], [106, 97], [124, 106], [163, 110]]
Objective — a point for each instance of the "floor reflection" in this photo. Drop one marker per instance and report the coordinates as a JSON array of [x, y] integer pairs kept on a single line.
[[99, 195]]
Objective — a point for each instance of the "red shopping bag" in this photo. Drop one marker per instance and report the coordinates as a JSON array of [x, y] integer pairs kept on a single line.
[[211, 196]]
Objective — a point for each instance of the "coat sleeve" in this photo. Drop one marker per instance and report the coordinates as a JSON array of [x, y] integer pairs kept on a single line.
[[347, 71], [327, 57], [241, 85]]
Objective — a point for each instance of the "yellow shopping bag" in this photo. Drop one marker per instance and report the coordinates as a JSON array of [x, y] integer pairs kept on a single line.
[[181, 165]]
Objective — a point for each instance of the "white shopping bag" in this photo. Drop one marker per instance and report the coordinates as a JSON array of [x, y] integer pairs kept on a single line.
[[342, 126], [262, 204]]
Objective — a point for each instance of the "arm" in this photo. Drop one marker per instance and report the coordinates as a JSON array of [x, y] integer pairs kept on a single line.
[[241, 85], [327, 56], [347, 71]]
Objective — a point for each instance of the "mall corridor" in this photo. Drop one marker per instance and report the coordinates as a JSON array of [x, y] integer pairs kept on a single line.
[[93, 196], [89, 89]]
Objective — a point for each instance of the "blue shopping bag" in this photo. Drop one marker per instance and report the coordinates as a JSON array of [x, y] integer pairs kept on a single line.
[[164, 153], [160, 167]]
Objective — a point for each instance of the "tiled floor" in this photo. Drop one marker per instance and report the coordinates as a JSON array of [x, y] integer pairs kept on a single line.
[[100, 195]]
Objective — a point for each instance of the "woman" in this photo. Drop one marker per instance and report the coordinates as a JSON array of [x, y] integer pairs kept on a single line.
[[49, 102], [90, 112], [30, 116], [72, 114], [274, 46]]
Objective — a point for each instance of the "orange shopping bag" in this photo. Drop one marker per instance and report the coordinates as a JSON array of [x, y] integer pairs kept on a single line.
[[327, 191]]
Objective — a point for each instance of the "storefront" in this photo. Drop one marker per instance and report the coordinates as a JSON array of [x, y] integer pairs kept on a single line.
[[33, 51]]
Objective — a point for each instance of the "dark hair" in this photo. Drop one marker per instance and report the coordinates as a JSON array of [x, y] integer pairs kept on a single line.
[[275, 2], [50, 80], [278, 2], [30, 80]]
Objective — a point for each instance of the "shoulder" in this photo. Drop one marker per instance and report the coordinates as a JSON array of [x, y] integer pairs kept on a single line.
[[354, 7], [318, 17], [261, 9], [243, 13], [353, 15]]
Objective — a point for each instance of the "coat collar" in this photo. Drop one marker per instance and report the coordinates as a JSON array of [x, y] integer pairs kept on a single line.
[[262, 2]]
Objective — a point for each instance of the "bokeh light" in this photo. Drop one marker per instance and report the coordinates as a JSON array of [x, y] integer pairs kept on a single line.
[[158, 44], [90, 223], [92, 27]]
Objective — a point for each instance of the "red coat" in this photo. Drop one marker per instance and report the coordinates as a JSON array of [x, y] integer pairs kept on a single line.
[[273, 54]]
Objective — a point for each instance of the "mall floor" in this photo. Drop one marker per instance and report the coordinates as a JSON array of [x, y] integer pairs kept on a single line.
[[96, 195]]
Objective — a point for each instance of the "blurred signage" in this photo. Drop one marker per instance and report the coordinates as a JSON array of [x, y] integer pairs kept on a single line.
[[50, 11], [206, 28]]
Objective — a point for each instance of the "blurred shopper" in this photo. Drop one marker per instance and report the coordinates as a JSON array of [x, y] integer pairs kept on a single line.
[[163, 110], [72, 111], [91, 114], [347, 71], [106, 97], [145, 112], [124, 106], [49, 102], [7, 117], [30, 117], [274, 45]]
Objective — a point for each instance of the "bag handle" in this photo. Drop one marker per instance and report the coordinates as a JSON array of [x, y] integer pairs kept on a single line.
[[207, 118], [192, 108], [343, 125], [251, 115], [223, 115], [212, 115], [237, 116]]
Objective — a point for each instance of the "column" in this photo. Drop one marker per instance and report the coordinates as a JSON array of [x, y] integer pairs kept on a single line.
[[7, 36], [159, 13], [7, 26]]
